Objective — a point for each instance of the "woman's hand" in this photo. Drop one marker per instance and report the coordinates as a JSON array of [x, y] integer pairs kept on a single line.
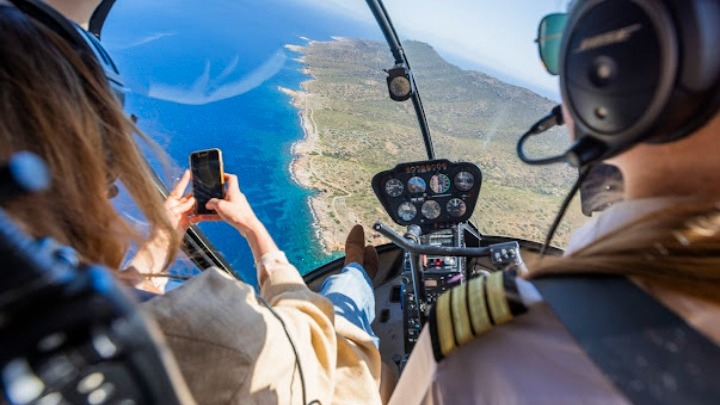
[[151, 256], [180, 207], [236, 211], [234, 208]]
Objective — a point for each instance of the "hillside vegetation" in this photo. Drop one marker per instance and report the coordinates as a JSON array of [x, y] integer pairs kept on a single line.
[[472, 117]]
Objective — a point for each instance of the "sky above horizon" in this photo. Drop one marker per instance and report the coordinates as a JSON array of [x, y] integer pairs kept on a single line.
[[491, 35]]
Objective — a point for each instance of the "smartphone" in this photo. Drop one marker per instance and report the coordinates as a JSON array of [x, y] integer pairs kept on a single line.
[[207, 178]]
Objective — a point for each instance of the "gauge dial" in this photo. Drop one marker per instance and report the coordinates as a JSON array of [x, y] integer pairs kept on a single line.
[[440, 183], [464, 181], [407, 211], [394, 187], [456, 207], [431, 209], [400, 87], [416, 185]]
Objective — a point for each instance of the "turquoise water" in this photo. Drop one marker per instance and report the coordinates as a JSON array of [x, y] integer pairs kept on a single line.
[[209, 78]]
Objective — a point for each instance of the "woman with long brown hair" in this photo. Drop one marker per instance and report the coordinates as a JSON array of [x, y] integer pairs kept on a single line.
[[56, 104], [286, 346]]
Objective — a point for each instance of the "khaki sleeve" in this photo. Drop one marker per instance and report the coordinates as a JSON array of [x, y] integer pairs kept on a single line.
[[283, 277], [231, 348], [308, 317], [345, 353]]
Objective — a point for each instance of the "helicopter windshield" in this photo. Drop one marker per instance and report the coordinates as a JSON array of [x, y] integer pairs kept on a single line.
[[294, 94]]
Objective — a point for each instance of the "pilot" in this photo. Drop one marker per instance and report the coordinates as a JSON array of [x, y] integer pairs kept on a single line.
[[287, 345], [636, 316]]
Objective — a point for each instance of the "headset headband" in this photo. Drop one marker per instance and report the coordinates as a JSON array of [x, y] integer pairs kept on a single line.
[[79, 39]]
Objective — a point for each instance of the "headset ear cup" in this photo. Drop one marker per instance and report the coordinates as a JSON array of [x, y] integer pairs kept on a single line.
[[627, 75], [619, 64]]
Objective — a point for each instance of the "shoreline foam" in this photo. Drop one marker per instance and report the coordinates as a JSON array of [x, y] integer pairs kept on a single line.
[[300, 166]]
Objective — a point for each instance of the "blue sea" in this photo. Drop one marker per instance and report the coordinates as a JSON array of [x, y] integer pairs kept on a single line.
[[206, 75]]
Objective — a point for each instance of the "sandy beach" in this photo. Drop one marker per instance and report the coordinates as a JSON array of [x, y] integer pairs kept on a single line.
[[327, 166], [302, 170]]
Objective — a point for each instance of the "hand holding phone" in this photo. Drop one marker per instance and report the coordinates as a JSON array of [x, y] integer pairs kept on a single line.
[[207, 178], [235, 209]]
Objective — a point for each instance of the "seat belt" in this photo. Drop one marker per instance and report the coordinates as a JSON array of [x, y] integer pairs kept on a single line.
[[650, 354]]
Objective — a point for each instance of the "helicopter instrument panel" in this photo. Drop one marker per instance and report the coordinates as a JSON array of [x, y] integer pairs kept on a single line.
[[436, 198], [430, 192]]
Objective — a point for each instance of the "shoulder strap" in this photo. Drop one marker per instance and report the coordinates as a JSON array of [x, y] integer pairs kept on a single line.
[[471, 309], [649, 353]]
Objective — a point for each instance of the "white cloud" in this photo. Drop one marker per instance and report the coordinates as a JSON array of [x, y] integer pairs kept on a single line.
[[115, 46], [206, 90]]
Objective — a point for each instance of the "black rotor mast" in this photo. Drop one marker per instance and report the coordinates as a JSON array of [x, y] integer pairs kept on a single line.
[[383, 20]]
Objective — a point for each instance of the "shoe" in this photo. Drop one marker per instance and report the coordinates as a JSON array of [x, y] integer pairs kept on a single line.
[[371, 262], [355, 245]]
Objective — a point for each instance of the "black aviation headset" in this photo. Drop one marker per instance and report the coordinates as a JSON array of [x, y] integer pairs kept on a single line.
[[635, 71], [631, 71]]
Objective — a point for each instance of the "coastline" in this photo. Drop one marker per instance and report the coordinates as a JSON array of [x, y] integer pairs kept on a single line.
[[350, 132], [301, 168]]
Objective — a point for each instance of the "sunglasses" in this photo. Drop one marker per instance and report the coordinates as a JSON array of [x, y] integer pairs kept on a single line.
[[548, 40]]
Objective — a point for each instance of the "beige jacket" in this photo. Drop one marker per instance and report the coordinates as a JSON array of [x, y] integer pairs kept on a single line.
[[232, 350]]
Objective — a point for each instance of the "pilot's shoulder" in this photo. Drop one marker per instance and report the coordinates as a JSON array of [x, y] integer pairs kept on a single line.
[[467, 311]]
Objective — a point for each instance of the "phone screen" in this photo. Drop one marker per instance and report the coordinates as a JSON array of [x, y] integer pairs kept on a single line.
[[207, 177]]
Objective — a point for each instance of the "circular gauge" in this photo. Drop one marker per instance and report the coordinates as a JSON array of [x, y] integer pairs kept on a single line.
[[464, 181], [407, 211], [431, 209], [416, 185], [400, 87], [456, 207], [440, 183], [394, 187]]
